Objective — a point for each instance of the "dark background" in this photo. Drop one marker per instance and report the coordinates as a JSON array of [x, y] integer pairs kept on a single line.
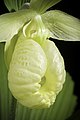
[[69, 50]]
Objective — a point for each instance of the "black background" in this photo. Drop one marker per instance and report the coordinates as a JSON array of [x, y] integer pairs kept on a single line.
[[69, 50]]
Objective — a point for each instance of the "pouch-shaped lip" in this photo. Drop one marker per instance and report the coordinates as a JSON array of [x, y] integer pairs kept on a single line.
[[41, 61]]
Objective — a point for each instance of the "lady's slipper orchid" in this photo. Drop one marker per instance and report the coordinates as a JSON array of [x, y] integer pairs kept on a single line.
[[36, 72]]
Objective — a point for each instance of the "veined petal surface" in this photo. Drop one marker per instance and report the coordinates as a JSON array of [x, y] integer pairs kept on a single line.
[[11, 23], [42, 5], [63, 26]]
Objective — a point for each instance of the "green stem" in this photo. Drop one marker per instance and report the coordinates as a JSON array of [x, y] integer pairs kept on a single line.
[[19, 111], [3, 86], [12, 109]]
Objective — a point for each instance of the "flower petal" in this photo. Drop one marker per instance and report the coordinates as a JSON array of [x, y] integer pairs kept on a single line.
[[42, 5], [11, 23], [63, 26]]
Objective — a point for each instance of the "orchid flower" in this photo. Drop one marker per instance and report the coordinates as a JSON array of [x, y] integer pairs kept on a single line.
[[36, 70]]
